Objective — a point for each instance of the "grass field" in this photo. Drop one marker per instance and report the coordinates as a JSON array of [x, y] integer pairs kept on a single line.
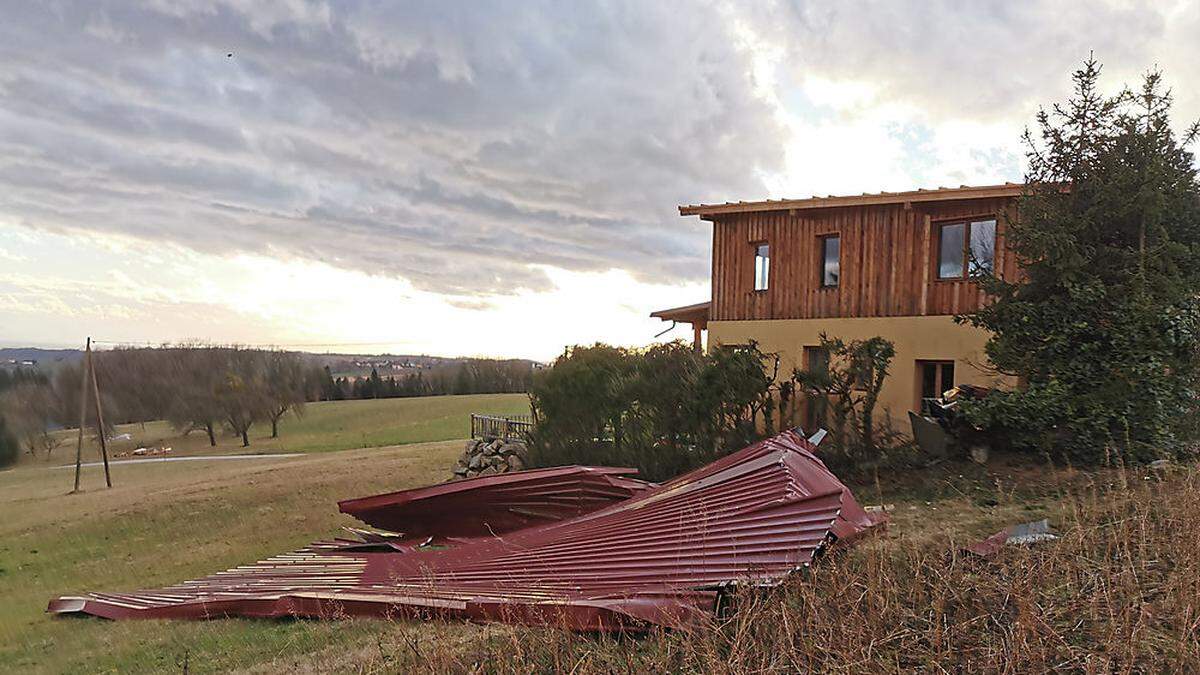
[[324, 426], [162, 523], [901, 600]]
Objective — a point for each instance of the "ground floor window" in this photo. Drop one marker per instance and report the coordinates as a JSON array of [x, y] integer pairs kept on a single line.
[[934, 378], [816, 360]]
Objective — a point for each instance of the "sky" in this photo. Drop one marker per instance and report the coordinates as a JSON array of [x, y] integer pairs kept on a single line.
[[484, 179]]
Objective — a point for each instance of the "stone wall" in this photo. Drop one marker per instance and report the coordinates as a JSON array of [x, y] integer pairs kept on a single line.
[[484, 457]]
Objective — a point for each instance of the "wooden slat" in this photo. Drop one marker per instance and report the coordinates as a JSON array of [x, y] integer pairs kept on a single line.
[[887, 259]]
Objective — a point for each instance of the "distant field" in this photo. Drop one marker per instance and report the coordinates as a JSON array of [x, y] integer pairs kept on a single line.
[[326, 426]]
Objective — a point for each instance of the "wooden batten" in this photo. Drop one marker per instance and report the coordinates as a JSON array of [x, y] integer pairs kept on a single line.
[[888, 262]]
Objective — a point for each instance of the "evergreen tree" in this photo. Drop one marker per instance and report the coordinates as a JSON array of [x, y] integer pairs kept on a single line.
[[1103, 327]]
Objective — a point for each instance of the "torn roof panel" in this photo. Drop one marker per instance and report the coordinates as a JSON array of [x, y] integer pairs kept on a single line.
[[496, 504], [657, 557]]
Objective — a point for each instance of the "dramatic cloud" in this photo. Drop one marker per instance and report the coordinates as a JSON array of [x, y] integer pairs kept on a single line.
[[476, 153], [451, 147]]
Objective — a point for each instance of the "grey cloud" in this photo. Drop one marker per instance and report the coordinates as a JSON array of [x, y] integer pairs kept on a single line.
[[457, 147], [460, 146]]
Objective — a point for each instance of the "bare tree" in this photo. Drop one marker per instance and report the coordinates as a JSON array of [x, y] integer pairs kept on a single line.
[[285, 386], [241, 390], [196, 371]]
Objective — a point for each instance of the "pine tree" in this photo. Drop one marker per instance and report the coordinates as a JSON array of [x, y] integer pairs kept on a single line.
[[1103, 327]]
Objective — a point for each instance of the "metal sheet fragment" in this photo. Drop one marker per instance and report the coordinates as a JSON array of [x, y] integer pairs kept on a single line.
[[656, 556]]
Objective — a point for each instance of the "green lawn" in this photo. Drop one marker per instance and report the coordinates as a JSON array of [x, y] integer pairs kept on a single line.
[[163, 523], [322, 427]]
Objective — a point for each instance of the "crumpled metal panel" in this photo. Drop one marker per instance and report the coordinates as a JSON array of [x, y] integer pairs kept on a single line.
[[659, 557], [496, 504]]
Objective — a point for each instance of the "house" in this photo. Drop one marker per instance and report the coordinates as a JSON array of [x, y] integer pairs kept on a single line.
[[895, 264]]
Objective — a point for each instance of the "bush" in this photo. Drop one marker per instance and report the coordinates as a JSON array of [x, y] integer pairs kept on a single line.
[[847, 391], [663, 410]]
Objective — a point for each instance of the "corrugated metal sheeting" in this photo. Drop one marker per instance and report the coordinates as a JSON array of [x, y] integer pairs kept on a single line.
[[604, 552]]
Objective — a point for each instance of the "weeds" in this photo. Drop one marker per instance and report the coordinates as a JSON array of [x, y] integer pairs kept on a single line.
[[1116, 593]]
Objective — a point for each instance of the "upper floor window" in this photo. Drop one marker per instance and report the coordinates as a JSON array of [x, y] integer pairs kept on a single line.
[[966, 246], [762, 266], [831, 261]]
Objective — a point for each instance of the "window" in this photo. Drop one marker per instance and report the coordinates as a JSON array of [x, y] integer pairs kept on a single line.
[[935, 377], [816, 360], [762, 266], [831, 260], [968, 246]]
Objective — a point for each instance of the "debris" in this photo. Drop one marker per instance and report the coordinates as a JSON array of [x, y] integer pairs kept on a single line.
[[1024, 534], [651, 555], [1159, 464]]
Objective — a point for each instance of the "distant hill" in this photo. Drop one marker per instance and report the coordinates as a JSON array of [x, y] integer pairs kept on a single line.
[[348, 364], [42, 359]]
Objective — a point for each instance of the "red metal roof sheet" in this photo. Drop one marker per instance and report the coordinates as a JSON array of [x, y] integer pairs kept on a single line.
[[658, 557], [496, 504]]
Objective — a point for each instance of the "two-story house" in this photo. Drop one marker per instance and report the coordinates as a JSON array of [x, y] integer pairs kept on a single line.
[[895, 264]]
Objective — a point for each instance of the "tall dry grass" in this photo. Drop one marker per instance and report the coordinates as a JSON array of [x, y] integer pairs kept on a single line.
[[1119, 592]]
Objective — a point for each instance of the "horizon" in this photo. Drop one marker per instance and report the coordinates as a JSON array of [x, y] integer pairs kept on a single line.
[[490, 182]]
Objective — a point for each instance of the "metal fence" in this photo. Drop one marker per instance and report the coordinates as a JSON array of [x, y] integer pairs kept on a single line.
[[492, 426]]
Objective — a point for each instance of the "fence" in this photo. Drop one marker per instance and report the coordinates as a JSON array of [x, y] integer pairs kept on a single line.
[[492, 426]]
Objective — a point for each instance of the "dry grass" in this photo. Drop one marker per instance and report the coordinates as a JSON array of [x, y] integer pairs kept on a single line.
[[1119, 592]]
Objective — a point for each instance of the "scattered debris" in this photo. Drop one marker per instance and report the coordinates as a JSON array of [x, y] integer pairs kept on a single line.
[[583, 548], [144, 451], [1160, 464], [121, 437], [941, 424], [1024, 534]]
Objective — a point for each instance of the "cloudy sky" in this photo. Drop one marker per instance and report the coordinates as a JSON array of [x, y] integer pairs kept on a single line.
[[483, 178]]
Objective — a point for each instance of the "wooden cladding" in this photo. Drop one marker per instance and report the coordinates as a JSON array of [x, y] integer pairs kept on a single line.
[[888, 261]]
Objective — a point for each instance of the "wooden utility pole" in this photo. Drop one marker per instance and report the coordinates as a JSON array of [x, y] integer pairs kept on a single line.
[[99, 416], [89, 372], [83, 396]]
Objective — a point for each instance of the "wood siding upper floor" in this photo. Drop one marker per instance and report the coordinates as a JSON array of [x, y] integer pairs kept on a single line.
[[888, 261]]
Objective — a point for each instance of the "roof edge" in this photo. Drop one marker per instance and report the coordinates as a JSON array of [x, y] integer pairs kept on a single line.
[[865, 199]]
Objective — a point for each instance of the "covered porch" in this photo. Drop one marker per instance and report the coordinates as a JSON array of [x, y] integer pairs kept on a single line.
[[696, 315]]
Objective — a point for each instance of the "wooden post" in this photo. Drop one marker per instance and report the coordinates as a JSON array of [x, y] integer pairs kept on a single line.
[[99, 416], [83, 400], [697, 338]]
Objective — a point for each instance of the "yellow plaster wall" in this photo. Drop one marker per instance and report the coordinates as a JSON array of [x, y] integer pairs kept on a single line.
[[916, 338]]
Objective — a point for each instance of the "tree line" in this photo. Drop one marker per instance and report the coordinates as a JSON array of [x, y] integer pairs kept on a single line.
[[472, 376], [210, 389]]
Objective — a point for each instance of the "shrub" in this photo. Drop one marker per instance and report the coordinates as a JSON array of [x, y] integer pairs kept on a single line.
[[663, 410], [847, 391]]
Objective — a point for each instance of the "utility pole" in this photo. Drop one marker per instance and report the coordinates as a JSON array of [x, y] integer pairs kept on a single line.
[[89, 371], [83, 395]]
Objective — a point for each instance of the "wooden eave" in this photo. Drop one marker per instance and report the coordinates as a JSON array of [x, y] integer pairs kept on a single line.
[[865, 199], [693, 314]]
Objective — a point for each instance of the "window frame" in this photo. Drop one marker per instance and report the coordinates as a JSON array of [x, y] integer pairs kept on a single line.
[[939, 378], [967, 273], [822, 252], [755, 247]]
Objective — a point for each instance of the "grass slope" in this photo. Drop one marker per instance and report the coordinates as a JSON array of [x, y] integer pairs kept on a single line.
[[162, 523], [324, 426], [1116, 593]]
